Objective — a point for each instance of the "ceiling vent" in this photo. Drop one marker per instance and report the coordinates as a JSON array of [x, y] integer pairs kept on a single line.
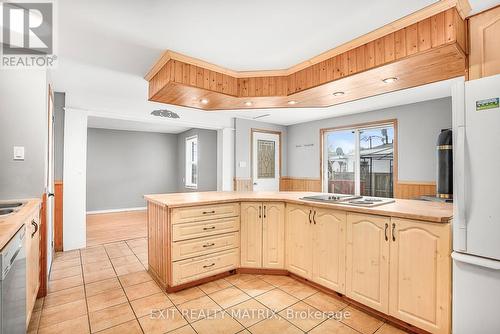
[[165, 113]]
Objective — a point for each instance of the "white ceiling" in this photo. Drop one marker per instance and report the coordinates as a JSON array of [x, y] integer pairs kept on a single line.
[[105, 47]]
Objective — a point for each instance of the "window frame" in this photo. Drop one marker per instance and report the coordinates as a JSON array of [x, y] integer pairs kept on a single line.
[[358, 127], [190, 160]]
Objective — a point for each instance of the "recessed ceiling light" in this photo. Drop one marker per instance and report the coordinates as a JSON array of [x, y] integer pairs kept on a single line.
[[292, 102], [390, 80], [204, 101], [248, 103], [338, 93]]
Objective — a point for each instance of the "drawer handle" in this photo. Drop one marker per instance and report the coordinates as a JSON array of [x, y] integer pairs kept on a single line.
[[33, 222], [386, 227], [208, 212], [209, 245], [209, 228], [393, 232], [210, 265]]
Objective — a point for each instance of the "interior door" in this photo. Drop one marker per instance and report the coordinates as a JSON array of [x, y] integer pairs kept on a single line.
[[50, 180], [266, 161]]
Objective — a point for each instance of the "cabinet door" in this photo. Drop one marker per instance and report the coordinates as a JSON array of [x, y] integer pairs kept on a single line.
[[367, 260], [32, 262], [251, 234], [299, 240], [420, 274], [329, 242], [273, 235], [484, 58]]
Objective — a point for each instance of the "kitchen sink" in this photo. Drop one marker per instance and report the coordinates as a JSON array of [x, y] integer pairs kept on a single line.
[[10, 205], [4, 212]]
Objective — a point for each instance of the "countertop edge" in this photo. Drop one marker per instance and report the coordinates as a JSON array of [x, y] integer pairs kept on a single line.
[[354, 209], [12, 223]]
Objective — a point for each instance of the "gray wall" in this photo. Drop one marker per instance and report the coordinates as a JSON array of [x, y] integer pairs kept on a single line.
[[418, 127], [242, 145], [59, 103], [207, 159], [122, 166], [23, 122]]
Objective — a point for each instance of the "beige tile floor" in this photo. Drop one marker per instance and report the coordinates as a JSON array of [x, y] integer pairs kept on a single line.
[[106, 289]]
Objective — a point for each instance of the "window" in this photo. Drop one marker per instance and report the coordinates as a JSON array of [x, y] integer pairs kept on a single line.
[[191, 179], [359, 160]]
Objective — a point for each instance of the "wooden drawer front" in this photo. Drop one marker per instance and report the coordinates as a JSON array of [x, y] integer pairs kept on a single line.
[[190, 248], [205, 228], [185, 215], [192, 269]]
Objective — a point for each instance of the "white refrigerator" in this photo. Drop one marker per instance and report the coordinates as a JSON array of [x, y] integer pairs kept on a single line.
[[476, 216]]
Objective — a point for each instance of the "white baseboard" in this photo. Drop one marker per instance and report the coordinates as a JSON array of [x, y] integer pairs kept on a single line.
[[116, 210]]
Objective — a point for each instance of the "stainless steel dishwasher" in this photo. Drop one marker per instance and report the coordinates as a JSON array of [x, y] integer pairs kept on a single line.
[[13, 285]]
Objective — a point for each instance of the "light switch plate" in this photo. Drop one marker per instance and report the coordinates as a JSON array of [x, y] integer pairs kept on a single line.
[[242, 164], [18, 152]]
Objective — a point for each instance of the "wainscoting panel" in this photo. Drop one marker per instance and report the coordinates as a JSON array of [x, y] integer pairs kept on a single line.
[[243, 184], [412, 190], [300, 184], [58, 216]]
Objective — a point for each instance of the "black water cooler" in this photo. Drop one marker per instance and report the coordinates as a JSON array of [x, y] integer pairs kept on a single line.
[[444, 184], [444, 177]]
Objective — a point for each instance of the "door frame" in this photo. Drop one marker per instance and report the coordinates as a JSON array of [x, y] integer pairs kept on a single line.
[[392, 121], [274, 132]]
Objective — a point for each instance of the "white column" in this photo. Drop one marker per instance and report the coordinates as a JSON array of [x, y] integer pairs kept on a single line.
[[75, 177], [225, 159]]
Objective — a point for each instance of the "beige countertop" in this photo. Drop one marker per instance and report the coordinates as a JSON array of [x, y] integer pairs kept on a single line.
[[10, 224], [401, 208]]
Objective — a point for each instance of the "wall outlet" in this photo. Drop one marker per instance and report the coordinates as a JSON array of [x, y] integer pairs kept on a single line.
[[18, 152]]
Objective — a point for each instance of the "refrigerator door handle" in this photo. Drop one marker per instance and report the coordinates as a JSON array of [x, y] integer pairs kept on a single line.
[[476, 261], [461, 223]]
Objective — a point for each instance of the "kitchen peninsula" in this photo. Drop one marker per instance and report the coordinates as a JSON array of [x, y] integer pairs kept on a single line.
[[392, 258]]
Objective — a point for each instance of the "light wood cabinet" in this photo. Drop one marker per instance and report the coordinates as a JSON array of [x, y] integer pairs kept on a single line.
[[273, 235], [262, 235], [402, 268], [299, 240], [399, 267], [329, 240], [367, 260], [251, 234], [420, 276], [32, 262], [484, 31]]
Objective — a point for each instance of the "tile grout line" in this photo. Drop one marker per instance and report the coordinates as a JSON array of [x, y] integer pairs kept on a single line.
[[85, 293], [166, 295], [251, 297], [123, 289], [222, 311]]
